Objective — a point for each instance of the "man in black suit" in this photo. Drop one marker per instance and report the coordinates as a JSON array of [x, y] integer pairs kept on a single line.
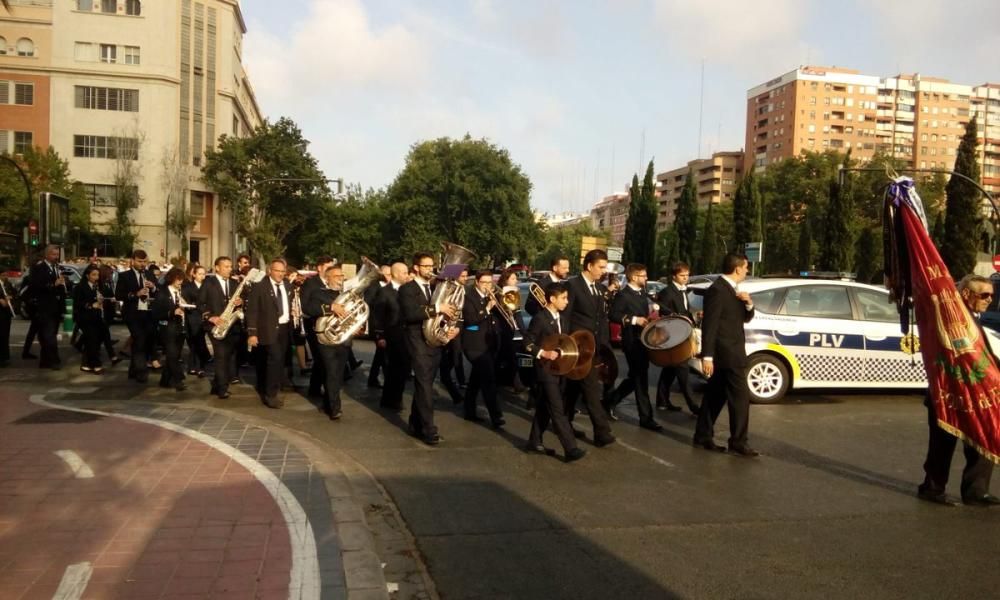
[[976, 292], [452, 363], [216, 292], [673, 300], [269, 325], [724, 358], [135, 290], [317, 376], [630, 308], [387, 328], [480, 343], [378, 361], [47, 288], [558, 272], [588, 311], [415, 303], [550, 408], [334, 357]]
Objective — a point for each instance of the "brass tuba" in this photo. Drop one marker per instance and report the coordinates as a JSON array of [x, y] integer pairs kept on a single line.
[[332, 330], [448, 291]]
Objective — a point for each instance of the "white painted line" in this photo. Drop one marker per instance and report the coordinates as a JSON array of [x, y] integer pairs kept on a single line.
[[304, 583], [74, 581], [76, 464], [651, 457]]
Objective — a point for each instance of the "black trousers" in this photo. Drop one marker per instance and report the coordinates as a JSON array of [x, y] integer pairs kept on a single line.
[[425, 361], [451, 360], [48, 331], [5, 321], [334, 359], [29, 338], [224, 365], [272, 357], [637, 382], [397, 369], [318, 374], [173, 364], [378, 363], [92, 335], [940, 448], [667, 376], [483, 380], [199, 349], [549, 410], [140, 327], [726, 386], [592, 390]]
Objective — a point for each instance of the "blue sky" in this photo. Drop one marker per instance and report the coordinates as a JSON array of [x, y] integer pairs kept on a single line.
[[572, 89]]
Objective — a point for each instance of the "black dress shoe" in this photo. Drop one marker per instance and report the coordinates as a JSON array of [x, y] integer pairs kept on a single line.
[[336, 416], [673, 407], [180, 387], [605, 441], [115, 360], [746, 451], [611, 414], [433, 440], [539, 449], [375, 385], [695, 410], [936, 498], [709, 445], [498, 423], [984, 500], [575, 454], [579, 434], [356, 365], [224, 395], [651, 425], [474, 418], [28, 356]]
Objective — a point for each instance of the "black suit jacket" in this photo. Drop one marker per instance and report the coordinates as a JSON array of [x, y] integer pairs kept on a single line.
[[84, 298], [385, 320], [163, 312], [479, 327], [212, 301], [587, 311], [125, 291], [722, 336], [49, 299], [542, 325], [629, 303], [191, 293], [262, 311], [414, 309], [671, 301]]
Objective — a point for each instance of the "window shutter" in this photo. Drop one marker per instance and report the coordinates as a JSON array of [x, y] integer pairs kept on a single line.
[[4, 92], [4, 141]]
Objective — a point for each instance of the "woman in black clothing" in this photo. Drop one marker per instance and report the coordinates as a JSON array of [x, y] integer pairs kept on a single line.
[[88, 312], [107, 286], [170, 315], [506, 369], [195, 333]]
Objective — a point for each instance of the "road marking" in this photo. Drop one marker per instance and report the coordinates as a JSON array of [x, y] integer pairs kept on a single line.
[[76, 464], [621, 443], [74, 581], [304, 581]]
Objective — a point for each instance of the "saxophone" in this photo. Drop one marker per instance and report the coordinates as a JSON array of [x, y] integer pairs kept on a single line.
[[448, 291], [232, 313], [332, 330]]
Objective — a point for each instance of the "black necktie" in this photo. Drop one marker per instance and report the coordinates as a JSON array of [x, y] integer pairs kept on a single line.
[[427, 291], [593, 289], [225, 288], [280, 300]]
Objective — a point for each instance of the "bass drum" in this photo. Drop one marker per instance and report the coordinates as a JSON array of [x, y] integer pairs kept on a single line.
[[670, 341]]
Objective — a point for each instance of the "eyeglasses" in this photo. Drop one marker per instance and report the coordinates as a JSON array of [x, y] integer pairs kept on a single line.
[[430, 266], [982, 295]]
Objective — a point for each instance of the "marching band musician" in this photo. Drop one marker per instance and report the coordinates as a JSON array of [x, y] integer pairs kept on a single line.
[[135, 291], [6, 317], [558, 272], [269, 326], [215, 295], [587, 311], [386, 325], [506, 368], [378, 361], [479, 342], [317, 376], [169, 313], [452, 365], [197, 344], [416, 305], [47, 289], [551, 407], [673, 300], [334, 357], [88, 313], [297, 351], [630, 308], [244, 356]]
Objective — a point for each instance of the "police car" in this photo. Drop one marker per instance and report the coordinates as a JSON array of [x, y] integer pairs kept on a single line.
[[809, 333]]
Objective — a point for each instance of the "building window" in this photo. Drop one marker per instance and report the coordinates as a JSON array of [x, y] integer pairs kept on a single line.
[[105, 195], [99, 146], [24, 93], [133, 8], [84, 5], [109, 6], [109, 53], [22, 142], [25, 47], [99, 98], [197, 204], [3, 45], [131, 55], [84, 52]]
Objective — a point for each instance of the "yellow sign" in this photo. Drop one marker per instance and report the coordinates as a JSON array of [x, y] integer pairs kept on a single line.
[[588, 243], [909, 344]]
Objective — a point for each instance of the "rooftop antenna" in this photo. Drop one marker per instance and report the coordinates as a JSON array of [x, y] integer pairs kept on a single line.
[[701, 105]]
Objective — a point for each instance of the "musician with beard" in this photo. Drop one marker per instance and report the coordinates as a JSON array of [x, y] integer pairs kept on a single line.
[[387, 328], [479, 340], [558, 272], [214, 296], [417, 305], [334, 357]]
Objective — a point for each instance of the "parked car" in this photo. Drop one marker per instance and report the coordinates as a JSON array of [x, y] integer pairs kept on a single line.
[[811, 333]]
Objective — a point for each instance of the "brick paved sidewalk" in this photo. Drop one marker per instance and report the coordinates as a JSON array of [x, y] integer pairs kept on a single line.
[[232, 512]]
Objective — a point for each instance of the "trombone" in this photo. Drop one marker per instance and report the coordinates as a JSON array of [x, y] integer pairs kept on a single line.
[[538, 293], [507, 304]]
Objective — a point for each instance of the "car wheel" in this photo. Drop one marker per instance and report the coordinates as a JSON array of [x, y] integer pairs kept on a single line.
[[767, 378]]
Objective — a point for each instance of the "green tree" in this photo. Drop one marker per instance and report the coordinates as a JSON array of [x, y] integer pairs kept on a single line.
[[630, 251], [708, 257], [963, 217], [868, 255], [667, 250], [805, 253], [686, 221], [346, 229], [463, 191], [271, 182], [564, 241], [640, 230], [837, 248], [174, 183], [747, 213]]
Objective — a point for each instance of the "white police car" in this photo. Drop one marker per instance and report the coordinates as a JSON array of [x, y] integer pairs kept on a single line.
[[812, 333]]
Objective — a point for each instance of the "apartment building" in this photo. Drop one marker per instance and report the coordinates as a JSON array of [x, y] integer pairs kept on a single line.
[[151, 82], [610, 215], [917, 119], [716, 179]]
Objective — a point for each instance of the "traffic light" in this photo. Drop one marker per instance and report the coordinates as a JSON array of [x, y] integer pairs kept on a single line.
[[33, 233]]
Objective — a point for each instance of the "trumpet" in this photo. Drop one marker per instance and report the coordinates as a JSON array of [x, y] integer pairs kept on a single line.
[[507, 304]]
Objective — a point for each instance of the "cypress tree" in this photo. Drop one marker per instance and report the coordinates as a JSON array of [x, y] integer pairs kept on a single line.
[[805, 243], [645, 229], [708, 260], [686, 222], [838, 243], [962, 209], [629, 249]]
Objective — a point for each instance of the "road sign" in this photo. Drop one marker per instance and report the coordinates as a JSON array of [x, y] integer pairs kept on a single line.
[[615, 253], [754, 251], [996, 263]]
